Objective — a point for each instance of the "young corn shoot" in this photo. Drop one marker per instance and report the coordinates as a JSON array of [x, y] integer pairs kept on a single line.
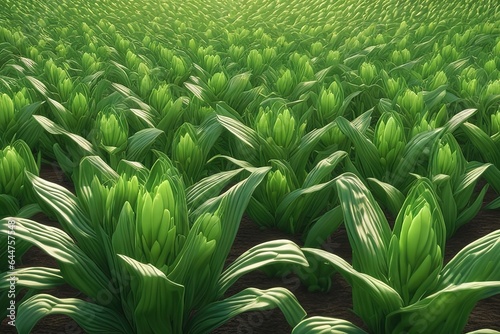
[[168, 275], [398, 277]]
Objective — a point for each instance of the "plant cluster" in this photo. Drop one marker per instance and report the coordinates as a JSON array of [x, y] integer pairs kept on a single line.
[[174, 119]]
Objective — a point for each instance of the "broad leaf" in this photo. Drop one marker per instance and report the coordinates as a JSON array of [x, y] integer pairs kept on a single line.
[[476, 262], [368, 231], [323, 325], [92, 318], [140, 143], [267, 253], [446, 311], [159, 302], [217, 313], [76, 267], [378, 298]]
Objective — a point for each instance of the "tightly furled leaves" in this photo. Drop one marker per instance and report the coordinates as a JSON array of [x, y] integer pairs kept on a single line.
[[390, 139], [6, 111], [113, 129], [279, 126], [160, 229]]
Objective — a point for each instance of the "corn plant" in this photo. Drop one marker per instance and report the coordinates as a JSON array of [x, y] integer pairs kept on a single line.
[[455, 180], [398, 278], [487, 146], [278, 134], [15, 194], [16, 198], [235, 92], [147, 270], [288, 202], [15, 118]]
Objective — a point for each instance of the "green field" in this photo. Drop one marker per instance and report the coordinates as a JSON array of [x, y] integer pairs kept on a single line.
[[174, 119]]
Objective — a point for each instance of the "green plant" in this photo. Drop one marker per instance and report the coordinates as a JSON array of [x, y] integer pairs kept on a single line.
[[398, 279], [146, 270]]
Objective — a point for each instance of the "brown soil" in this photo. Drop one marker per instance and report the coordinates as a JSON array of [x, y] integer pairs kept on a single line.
[[336, 303]]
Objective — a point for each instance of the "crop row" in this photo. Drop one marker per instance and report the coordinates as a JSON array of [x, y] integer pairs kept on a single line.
[[173, 120]]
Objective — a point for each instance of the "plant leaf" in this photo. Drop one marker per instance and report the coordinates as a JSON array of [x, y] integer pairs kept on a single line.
[[411, 156], [76, 267], [92, 318], [379, 299], [483, 143], [159, 302], [323, 325], [475, 262], [33, 278], [140, 143], [446, 311], [367, 153], [55, 129], [368, 231], [267, 253], [69, 214], [328, 223], [391, 197], [215, 314], [458, 119]]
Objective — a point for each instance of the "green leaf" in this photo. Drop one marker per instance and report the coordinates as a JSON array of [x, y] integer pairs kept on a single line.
[[367, 228], [209, 187], [458, 119], [64, 159], [259, 213], [232, 206], [159, 302], [412, 154], [367, 153], [488, 149], [301, 153], [468, 180], [215, 314], [492, 175], [94, 166], [9, 205], [28, 211], [240, 131], [291, 203], [378, 299], [25, 152], [475, 262], [208, 133], [140, 143], [323, 168], [131, 169], [391, 197], [200, 92], [123, 238], [267, 253], [323, 325], [55, 129], [76, 267], [69, 214], [470, 212], [236, 86], [446, 311], [495, 204], [130, 95], [434, 97], [28, 129], [33, 278], [328, 223], [90, 317]]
